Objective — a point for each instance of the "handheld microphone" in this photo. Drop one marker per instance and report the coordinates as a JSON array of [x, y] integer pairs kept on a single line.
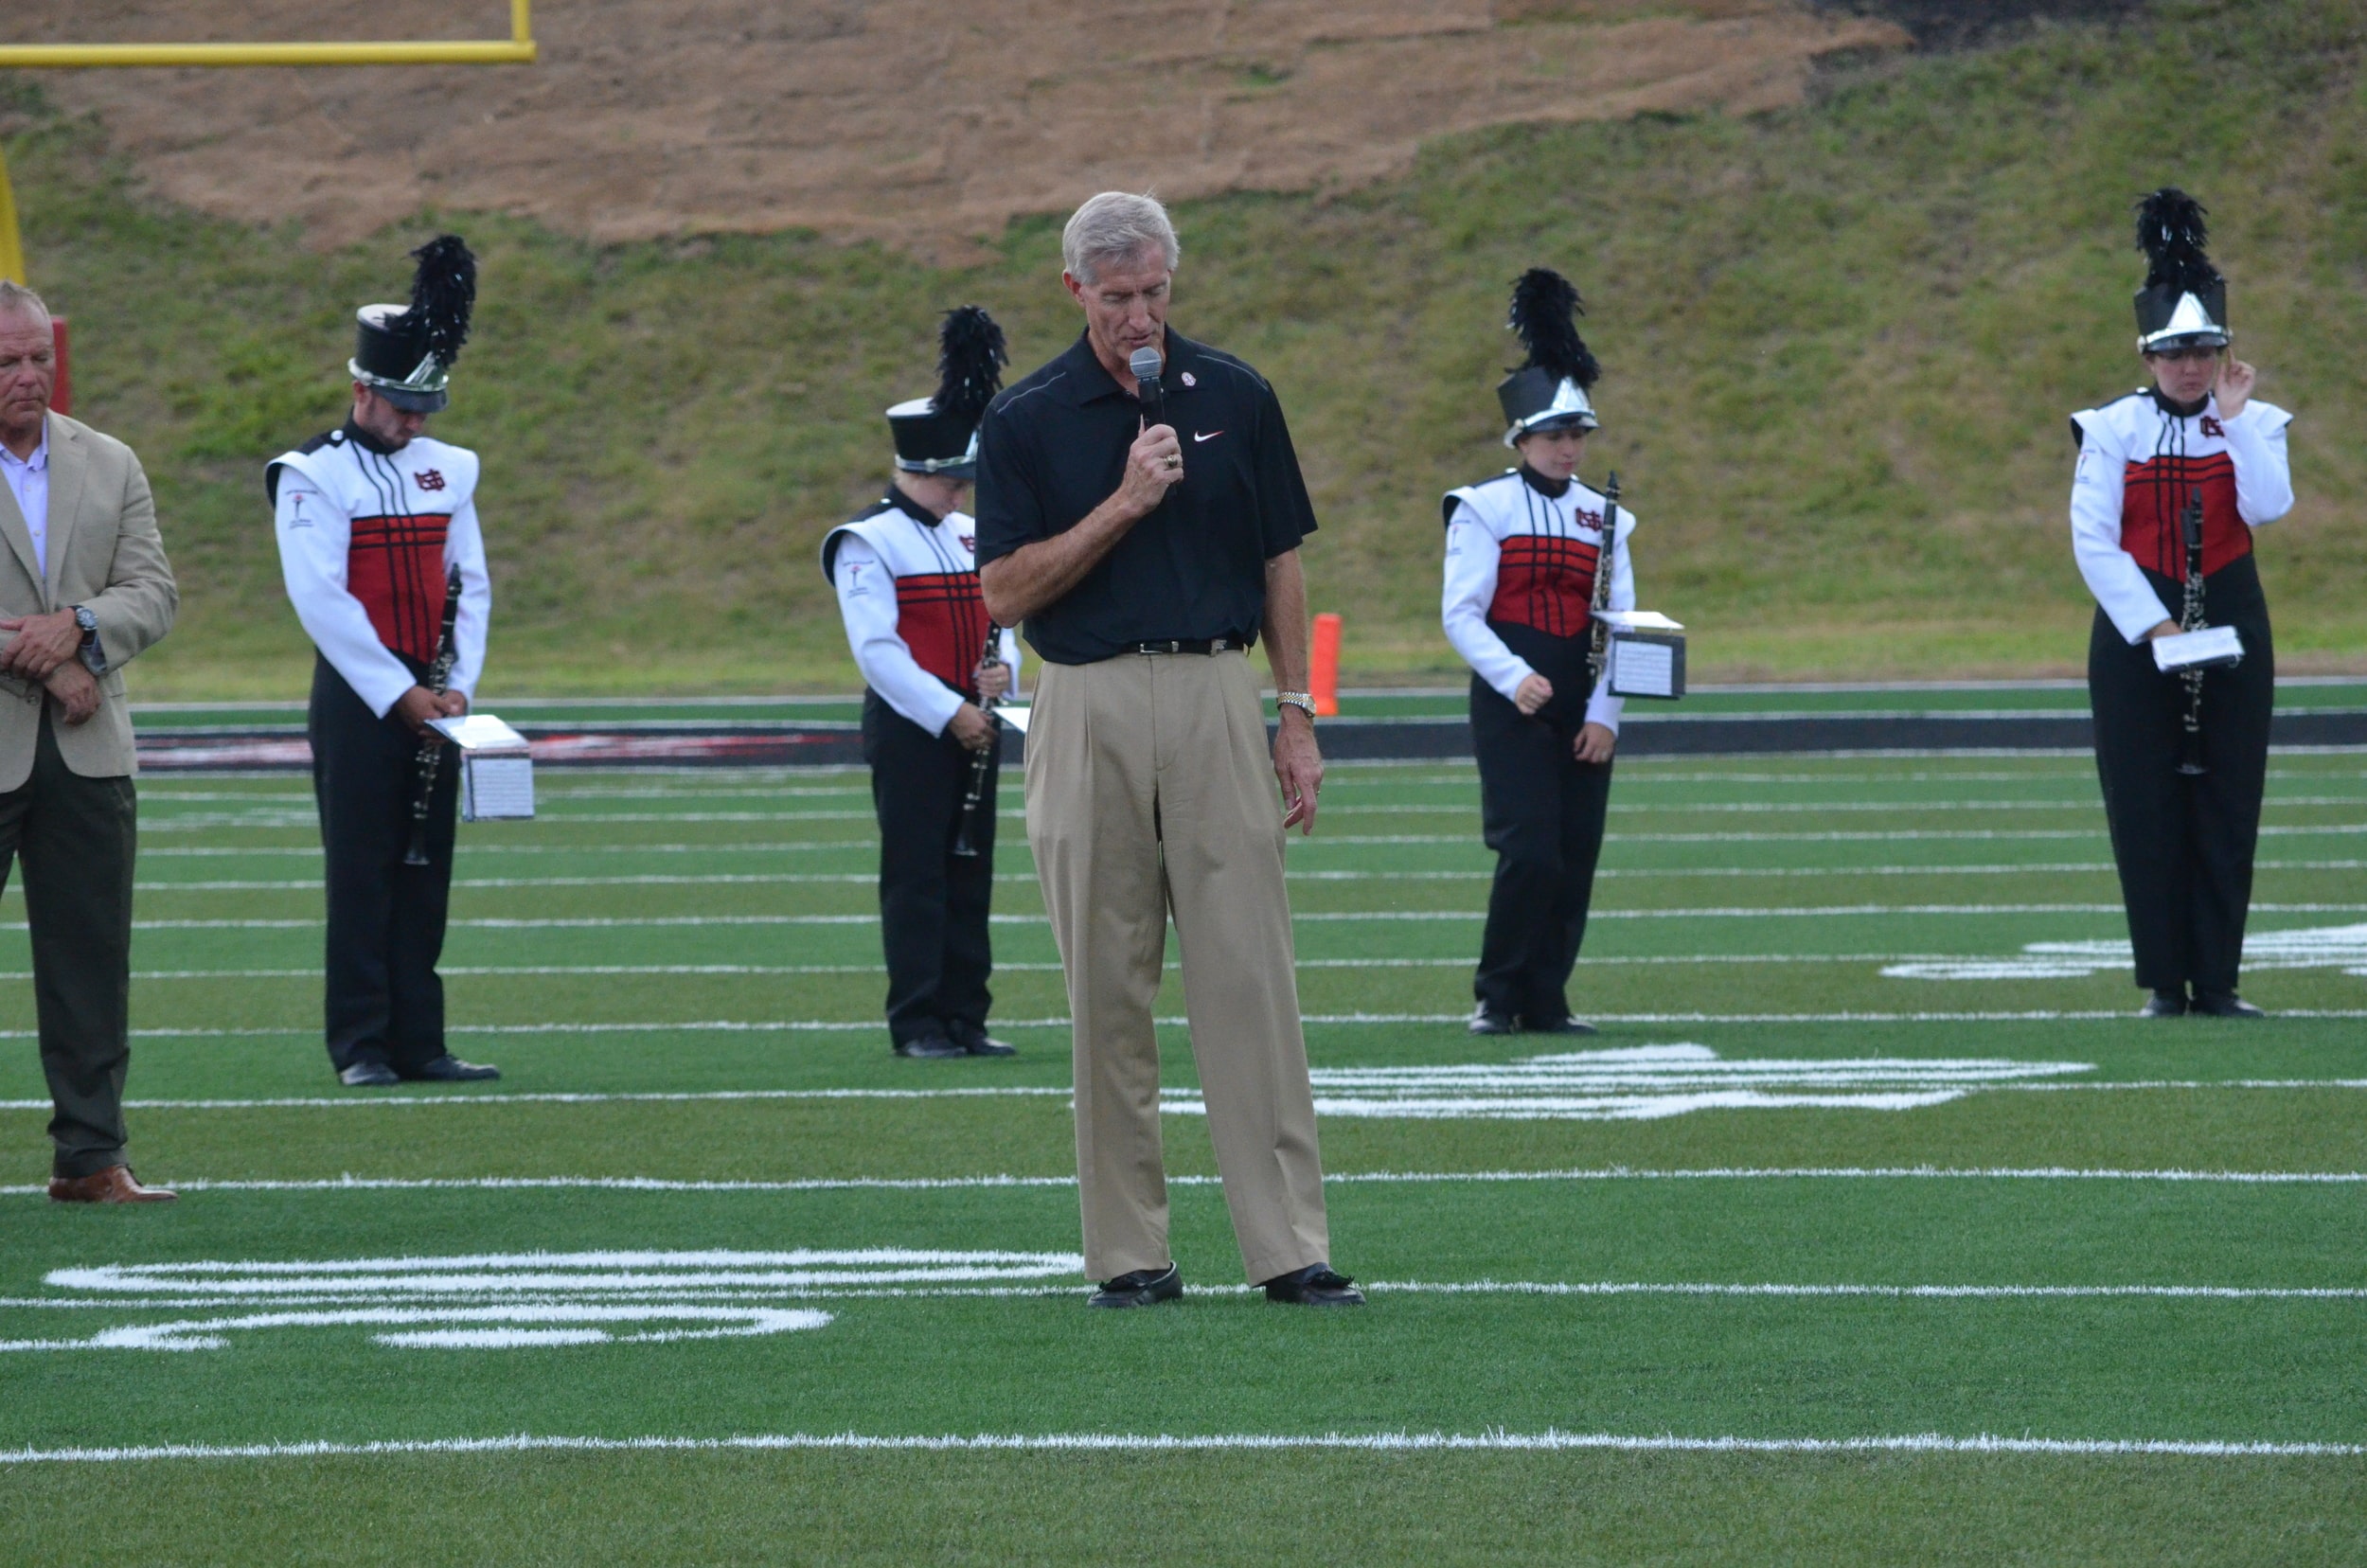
[[1144, 361]]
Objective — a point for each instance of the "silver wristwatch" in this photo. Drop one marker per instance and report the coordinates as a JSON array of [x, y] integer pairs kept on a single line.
[[1303, 701], [92, 656]]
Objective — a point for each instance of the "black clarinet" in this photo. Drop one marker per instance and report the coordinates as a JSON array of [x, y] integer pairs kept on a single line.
[[431, 746], [983, 759], [1599, 642], [2190, 756]]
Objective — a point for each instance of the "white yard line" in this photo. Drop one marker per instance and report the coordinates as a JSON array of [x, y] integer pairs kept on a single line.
[[313, 972], [1548, 1441], [865, 879], [1324, 841], [207, 820], [561, 1096], [1955, 835], [473, 851], [1302, 917], [327, 1292], [1382, 1178], [835, 1025]]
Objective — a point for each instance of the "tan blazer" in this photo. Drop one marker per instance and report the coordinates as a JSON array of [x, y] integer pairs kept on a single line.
[[105, 552]]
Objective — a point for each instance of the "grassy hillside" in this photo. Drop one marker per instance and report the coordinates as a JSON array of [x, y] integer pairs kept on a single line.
[[1841, 342]]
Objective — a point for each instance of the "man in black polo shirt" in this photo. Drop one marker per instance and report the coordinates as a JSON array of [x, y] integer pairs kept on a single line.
[[1145, 547]]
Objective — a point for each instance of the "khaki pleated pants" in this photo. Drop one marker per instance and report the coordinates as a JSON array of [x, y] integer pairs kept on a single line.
[[1151, 792]]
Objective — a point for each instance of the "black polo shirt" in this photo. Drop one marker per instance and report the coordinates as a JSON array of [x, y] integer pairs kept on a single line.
[[1053, 446]]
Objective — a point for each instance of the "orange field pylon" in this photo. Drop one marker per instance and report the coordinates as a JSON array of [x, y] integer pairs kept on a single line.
[[1323, 679]]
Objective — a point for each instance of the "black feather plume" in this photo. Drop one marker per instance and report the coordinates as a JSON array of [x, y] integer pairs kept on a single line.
[[2170, 231], [1545, 308], [443, 291], [970, 357]]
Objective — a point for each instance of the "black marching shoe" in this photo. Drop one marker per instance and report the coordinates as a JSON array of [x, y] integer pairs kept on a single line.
[[1143, 1288], [1560, 1027], [368, 1074], [450, 1069], [1313, 1286], [1487, 1021], [2224, 1005], [929, 1047], [975, 1041], [2164, 1003]]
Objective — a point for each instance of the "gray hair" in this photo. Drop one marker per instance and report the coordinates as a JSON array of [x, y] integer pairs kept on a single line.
[[16, 296], [1113, 226]]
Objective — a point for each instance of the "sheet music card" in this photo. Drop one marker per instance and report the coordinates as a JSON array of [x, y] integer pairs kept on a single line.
[[1648, 654], [496, 768]]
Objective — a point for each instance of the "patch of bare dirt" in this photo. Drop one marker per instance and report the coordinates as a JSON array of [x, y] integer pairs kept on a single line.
[[913, 121]]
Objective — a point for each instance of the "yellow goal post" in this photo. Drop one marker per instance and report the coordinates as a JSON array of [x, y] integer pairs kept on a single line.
[[518, 49]]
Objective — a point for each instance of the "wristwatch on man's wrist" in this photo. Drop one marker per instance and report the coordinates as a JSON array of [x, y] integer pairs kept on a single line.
[[93, 657], [1303, 701]]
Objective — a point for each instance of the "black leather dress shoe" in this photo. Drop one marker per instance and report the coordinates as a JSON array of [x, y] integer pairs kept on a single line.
[[973, 1039], [2224, 1005], [368, 1074], [1487, 1021], [1143, 1288], [1313, 1286], [2163, 1004], [1560, 1027], [450, 1069], [929, 1047]]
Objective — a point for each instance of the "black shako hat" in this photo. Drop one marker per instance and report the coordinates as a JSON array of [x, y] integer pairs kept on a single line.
[[2184, 299], [404, 352], [939, 434], [1549, 391]]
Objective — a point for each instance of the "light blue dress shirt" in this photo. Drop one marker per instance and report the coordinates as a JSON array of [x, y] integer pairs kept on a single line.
[[29, 481]]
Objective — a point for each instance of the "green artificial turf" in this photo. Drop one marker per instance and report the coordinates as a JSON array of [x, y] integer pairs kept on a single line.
[[1059, 1510], [1841, 340], [747, 1104]]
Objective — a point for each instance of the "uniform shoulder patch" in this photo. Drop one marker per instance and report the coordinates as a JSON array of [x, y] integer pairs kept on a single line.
[[1447, 503], [271, 470]]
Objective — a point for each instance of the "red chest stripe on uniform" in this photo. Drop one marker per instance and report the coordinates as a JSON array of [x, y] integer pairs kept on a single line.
[[395, 566], [1546, 582], [2154, 493], [943, 620]]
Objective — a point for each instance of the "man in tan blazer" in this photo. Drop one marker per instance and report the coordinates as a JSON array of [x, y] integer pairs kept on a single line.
[[84, 588]]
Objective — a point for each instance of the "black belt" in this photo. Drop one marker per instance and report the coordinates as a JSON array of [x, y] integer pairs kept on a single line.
[[1192, 645]]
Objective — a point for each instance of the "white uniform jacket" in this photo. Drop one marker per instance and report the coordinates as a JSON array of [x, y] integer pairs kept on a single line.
[[1518, 556], [908, 591], [365, 537], [2138, 463]]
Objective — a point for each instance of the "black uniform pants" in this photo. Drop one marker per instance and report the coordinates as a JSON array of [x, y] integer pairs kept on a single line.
[[2184, 844], [932, 902], [1541, 810], [76, 837], [385, 1001]]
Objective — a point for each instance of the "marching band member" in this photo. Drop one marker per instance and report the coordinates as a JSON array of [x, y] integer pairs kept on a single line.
[[907, 581], [371, 518], [2183, 840], [1522, 550]]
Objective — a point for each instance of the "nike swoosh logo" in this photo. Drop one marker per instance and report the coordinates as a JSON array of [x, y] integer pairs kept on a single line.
[[1197, 438]]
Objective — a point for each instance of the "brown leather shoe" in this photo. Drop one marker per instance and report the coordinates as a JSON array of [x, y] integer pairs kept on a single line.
[[115, 1184]]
